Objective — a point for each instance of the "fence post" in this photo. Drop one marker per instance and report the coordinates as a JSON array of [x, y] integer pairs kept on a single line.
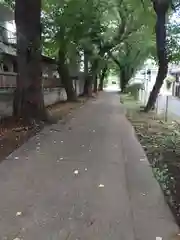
[[166, 110], [144, 93]]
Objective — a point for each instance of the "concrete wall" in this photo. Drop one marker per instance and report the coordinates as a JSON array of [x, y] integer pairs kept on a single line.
[[8, 63], [79, 84], [50, 97], [54, 95], [49, 70]]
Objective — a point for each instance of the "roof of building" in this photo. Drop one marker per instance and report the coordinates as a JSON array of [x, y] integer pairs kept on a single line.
[[48, 59], [13, 55]]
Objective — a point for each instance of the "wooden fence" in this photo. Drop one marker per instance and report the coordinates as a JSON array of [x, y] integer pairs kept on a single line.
[[8, 81]]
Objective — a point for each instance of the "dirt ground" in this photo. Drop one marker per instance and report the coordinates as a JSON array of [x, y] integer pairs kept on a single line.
[[13, 134], [161, 142]]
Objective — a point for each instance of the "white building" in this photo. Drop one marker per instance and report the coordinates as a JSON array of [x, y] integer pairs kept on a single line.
[[148, 80]]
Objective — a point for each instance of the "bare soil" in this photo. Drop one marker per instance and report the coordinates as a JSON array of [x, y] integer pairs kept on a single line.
[[161, 142], [14, 133]]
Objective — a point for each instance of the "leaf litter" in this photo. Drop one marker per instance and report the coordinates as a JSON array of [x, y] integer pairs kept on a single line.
[[18, 214], [161, 143], [76, 172]]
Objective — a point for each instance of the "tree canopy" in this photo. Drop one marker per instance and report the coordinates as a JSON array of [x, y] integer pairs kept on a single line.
[[116, 34], [101, 29]]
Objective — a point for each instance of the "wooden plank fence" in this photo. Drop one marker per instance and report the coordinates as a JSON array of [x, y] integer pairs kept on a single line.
[[8, 80]]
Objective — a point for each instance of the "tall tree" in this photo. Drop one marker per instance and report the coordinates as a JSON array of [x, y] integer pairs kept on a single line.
[[161, 8], [132, 53], [28, 98], [102, 77], [72, 26]]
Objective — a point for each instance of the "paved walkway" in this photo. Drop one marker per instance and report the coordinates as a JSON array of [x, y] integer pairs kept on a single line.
[[86, 180]]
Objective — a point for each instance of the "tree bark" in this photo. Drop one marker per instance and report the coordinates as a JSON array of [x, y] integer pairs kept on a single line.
[[95, 84], [88, 86], [86, 67], [103, 74], [87, 79], [123, 79], [161, 9], [91, 79], [94, 71], [28, 98], [65, 76]]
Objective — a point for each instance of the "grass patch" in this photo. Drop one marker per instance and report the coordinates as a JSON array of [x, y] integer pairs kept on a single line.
[[161, 142]]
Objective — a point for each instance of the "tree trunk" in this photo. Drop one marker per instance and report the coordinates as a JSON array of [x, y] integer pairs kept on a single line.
[[87, 79], [95, 85], [94, 71], [90, 79], [161, 10], [86, 67], [28, 98], [86, 86], [65, 77], [103, 74], [123, 80]]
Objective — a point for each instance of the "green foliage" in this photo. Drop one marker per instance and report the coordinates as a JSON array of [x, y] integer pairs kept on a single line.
[[73, 24], [139, 41], [173, 42], [96, 26], [9, 3], [120, 29], [134, 52]]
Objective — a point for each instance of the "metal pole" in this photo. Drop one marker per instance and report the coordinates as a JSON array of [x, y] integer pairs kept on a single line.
[[157, 104], [145, 88], [166, 111], [148, 79]]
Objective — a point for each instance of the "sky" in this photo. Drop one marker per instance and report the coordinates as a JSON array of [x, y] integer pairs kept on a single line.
[[175, 18]]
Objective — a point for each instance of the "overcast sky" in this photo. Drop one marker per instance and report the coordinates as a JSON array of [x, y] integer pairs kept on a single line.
[[175, 18]]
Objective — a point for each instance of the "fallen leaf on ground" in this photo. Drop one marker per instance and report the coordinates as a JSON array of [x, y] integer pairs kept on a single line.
[[18, 129], [142, 160], [76, 172], [18, 214]]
